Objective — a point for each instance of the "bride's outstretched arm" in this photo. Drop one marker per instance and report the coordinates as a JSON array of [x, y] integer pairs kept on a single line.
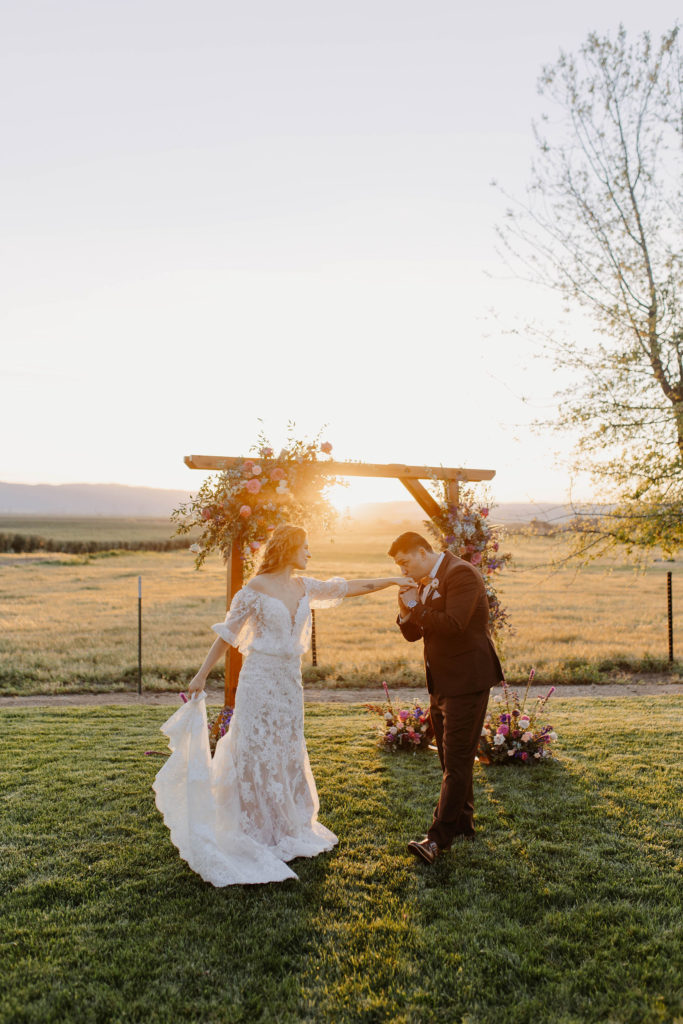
[[216, 652], [356, 588]]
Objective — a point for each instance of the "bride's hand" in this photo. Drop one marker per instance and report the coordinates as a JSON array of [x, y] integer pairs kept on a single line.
[[197, 685]]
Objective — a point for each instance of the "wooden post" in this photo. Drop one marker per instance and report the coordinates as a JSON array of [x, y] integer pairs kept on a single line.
[[233, 658], [454, 492]]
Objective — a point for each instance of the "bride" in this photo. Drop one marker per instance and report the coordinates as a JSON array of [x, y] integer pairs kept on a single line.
[[240, 817]]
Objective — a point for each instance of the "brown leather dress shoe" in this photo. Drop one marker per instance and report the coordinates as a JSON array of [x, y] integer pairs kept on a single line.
[[425, 849]]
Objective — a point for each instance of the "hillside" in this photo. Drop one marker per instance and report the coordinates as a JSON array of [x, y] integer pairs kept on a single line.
[[87, 500], [114, 500]]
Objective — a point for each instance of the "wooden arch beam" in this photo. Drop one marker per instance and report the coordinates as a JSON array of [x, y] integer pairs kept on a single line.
[[397, 470]]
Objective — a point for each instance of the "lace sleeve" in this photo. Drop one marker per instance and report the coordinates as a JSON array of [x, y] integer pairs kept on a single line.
[[325, 593], [233, 628]]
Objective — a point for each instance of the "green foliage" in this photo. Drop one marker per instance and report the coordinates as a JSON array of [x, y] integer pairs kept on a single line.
[[601, 226], [565, 909]]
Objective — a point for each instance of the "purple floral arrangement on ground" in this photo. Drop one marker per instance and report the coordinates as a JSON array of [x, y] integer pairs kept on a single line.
[[407, 729], [512, 735]]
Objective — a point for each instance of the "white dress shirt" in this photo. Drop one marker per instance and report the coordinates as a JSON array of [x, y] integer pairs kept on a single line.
[[423, 595]]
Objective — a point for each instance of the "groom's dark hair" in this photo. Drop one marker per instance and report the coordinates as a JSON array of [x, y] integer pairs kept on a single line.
[[408, 542]]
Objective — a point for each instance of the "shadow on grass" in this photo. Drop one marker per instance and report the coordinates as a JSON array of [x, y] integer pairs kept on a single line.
[[562, 900], [564, 910]]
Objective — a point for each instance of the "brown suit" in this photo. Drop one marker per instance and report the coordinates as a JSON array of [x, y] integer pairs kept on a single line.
[[461, 665]]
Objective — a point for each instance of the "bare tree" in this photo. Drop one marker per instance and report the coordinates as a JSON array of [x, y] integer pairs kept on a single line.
[[602, 225]]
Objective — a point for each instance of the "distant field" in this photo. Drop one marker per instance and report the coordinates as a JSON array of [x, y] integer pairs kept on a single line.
[[69, 623], [97, 528]]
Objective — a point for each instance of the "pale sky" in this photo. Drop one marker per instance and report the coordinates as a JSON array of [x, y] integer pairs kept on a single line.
[[215, 212]]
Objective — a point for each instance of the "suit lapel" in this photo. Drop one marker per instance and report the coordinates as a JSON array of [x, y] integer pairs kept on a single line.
[[450, 561], [443, 570]]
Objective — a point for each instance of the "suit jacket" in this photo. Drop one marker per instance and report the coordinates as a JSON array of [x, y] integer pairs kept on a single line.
[[454, 624]]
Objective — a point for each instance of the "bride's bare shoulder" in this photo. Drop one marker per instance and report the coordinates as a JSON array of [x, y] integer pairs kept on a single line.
[[258, 584]]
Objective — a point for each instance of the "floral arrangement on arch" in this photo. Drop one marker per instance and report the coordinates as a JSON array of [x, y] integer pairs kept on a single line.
[[510, 735], [464, 530], [407, 729], [248, 499]]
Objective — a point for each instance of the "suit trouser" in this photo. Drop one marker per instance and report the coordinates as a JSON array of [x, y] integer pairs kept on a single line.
[[457, 725]]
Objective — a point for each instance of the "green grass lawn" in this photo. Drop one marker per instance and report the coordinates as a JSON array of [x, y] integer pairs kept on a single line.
[[566, 909]]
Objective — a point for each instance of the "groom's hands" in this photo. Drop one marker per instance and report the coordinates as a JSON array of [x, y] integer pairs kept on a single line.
[[408, 596]]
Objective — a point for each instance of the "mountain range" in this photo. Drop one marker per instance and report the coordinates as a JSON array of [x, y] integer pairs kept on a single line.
[[87, 500], [122, 500]]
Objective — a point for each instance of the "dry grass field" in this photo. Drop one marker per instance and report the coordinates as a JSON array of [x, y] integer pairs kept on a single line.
[[69, 623]]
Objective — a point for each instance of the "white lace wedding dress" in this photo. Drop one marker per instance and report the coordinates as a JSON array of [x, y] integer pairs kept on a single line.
[[239, 817]]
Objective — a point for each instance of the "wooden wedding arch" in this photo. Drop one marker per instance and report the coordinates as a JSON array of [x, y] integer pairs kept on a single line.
[[410, 477]]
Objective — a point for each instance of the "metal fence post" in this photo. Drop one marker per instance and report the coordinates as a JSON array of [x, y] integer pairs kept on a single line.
[[139, 634], [669, 603]]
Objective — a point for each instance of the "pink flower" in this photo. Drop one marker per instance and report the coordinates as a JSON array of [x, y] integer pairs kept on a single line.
[[403, 715], [255, 545], [183, 698], [527, 736], [495, 545], [245, 511], [484, 512], [476, 558], [525, 756], [277, 474], [206, 513], [503, 730], [253, 485], [248, 466], [256, 470], [267, 453], [326, 447]]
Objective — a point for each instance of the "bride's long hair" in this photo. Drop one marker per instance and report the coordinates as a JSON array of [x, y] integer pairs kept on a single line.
[[281, 547]]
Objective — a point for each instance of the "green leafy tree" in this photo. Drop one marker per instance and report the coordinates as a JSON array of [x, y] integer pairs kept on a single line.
[[601, 225]]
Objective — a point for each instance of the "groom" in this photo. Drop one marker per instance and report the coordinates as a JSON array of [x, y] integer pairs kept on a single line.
[[449, 610]]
